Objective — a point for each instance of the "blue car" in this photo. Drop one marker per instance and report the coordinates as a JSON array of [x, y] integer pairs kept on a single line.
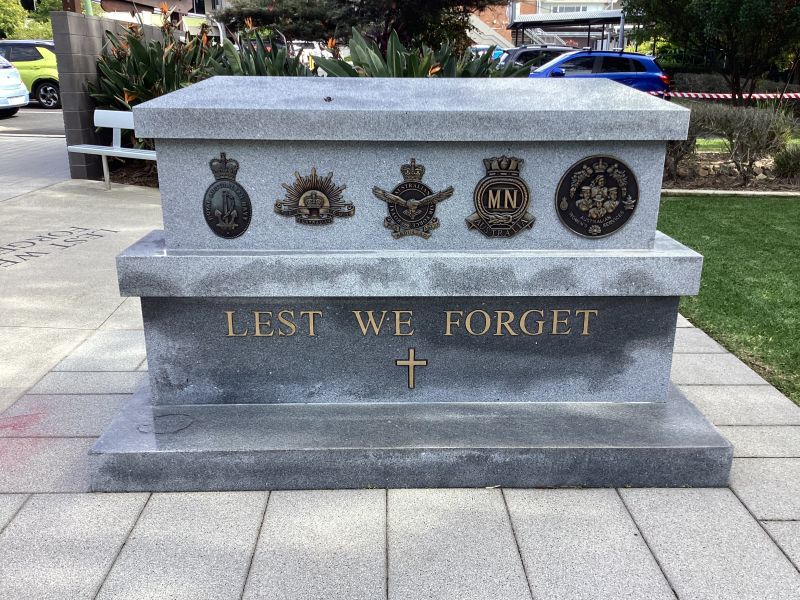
[[635, 70]]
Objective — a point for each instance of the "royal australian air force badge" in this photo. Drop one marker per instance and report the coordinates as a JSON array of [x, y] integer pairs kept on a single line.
[[226, 205], [412, 204], [501, 199]]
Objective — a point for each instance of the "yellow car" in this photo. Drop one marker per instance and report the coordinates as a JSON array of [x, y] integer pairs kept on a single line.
[[36, 62]]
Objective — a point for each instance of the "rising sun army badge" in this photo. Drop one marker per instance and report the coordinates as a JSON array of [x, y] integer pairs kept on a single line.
[[597, 196], [226, 205], [314, 200], [501, 199], [412, 204]]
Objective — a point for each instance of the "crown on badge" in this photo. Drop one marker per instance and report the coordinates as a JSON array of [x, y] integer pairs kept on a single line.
[[412, 171], [502, 164], [600, 166], [223, 167]]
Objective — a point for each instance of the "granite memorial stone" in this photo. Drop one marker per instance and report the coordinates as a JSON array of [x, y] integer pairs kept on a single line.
[[503, 315]]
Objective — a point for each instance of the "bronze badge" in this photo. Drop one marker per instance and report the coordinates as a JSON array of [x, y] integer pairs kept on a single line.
[[412, 204], [501, 199], [314, 200], [597, 196], [226, 205]]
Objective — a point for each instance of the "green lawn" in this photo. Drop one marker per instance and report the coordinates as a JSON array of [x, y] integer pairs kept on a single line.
[[750, 293]]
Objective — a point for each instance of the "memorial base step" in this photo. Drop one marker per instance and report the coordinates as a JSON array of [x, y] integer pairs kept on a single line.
[[401, 445]]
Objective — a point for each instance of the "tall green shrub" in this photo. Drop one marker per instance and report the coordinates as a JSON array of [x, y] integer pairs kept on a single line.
[[135, 70], [254, 57], [398, 61], [787, 163]]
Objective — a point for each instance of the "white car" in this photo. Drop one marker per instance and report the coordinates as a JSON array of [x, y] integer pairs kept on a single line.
[[13, 92], [310, 50]]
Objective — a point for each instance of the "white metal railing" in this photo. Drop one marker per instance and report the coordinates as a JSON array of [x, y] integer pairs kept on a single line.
[[541, 37]]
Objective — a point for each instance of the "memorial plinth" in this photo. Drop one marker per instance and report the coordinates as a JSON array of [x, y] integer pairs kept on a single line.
[[400, 283]]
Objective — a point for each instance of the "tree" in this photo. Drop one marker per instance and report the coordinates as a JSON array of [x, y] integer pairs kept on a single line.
[[12, 17], [743, 38], [432, 22], [43, 9]]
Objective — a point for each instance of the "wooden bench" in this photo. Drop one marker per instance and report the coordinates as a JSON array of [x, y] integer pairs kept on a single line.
[[117, 120]]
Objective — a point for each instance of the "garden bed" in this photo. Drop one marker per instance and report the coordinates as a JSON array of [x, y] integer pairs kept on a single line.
[[713, 170], [134, 172]]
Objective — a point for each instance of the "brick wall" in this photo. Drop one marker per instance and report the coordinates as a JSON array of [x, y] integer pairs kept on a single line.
[[79, 42]]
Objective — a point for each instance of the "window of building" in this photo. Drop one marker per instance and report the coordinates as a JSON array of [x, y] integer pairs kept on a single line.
[[567, 8]]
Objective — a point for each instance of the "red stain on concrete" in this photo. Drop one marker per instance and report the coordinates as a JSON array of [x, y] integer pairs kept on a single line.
[[20, 423]]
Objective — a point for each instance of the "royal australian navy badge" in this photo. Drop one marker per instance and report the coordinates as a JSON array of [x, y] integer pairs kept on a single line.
[[412, 204], [501, 199], [314, 200], [226, 205]]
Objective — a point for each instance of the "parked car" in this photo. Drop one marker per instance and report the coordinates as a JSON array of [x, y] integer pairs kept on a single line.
[[308, 51], [482, 49], [638, 71], [538, 54], [13, 92], [36, 61]]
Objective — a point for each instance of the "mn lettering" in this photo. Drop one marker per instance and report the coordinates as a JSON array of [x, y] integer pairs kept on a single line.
[[503, 199]]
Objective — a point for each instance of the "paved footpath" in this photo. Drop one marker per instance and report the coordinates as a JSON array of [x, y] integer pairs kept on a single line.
[[71, 349], [33, 152]]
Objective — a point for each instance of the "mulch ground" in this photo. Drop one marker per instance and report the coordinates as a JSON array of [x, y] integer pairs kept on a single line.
[[134, 172]]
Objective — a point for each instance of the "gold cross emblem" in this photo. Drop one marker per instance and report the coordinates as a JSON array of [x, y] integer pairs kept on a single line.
[[412, 363]]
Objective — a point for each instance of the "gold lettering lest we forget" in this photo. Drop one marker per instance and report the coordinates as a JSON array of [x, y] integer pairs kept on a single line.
[[400, 323]]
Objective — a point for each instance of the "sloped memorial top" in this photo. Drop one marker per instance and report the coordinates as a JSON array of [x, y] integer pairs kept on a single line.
[[392, 109]]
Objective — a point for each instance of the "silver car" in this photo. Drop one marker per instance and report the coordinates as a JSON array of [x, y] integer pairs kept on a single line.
[[13, 92]]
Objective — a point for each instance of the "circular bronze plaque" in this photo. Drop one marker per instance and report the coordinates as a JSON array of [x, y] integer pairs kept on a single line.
[[227, 209], [597, 196]]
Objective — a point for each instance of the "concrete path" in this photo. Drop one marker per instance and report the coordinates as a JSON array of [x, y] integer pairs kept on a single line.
[[71, 349], [33, 152]]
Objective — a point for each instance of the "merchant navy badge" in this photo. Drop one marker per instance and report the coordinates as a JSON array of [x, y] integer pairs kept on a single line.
[[597, 196], [412, 204], [226, 205], [501, 199], [314, 200]]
